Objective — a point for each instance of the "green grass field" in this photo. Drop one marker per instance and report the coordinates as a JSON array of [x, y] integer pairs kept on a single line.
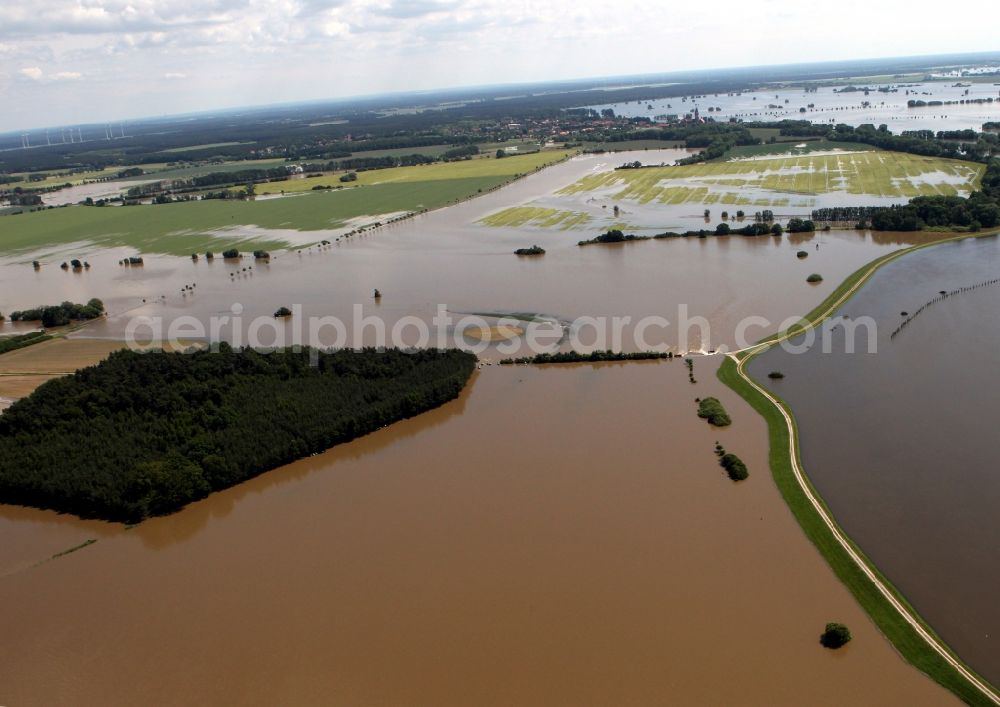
[[429, 150], [635, 145], [184, 228], [182, 171], [485, 167], [154, 171], [889, 174], [57, 179], [192, 148]]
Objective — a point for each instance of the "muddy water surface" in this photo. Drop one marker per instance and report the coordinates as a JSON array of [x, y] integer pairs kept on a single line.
[[591, 552], [429, 262]]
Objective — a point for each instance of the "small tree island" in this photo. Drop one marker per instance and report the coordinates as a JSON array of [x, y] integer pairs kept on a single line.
[[835, 636], [711, 409]]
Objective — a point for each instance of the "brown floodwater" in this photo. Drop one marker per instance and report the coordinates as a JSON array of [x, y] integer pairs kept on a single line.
[[555, 536], [590, 552], [446, 258], [902, 443]]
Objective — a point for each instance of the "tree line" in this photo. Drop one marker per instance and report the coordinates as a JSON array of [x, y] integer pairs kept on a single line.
[[12, 343], [979, 148], [60, 314]]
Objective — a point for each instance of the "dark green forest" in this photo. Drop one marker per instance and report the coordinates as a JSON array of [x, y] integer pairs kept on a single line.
[[144, 434]]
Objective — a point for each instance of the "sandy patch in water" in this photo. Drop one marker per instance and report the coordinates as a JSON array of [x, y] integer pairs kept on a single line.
[[503, 332]]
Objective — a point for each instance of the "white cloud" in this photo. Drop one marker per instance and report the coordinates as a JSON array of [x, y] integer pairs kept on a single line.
[[36, 74], [236, 52]]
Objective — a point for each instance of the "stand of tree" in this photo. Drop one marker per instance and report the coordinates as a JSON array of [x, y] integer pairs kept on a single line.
[[978, 147], [592, 357], [60, 314], [12, 343], [711, 409], [613, 236], [144, 434]]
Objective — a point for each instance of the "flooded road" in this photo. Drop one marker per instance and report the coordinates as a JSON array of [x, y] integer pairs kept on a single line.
[[592, 552], [901, 443]]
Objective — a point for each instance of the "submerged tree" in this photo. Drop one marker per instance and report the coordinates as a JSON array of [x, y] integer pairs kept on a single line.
[[835, 635]]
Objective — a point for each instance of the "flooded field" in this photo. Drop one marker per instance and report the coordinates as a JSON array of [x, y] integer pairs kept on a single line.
[[656, 198], [90, 190], [416, 269], [446, 258], [472, 555], [901, 444], [832, 105]]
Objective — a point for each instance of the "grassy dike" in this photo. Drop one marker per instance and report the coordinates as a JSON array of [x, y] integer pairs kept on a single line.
[[896, 618]]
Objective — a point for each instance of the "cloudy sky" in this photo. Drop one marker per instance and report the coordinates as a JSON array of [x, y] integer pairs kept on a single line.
[[71, 61]]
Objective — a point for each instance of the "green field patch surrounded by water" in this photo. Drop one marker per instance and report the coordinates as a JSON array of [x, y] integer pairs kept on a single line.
[[871, 173], [789, 181], [541, 217]]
